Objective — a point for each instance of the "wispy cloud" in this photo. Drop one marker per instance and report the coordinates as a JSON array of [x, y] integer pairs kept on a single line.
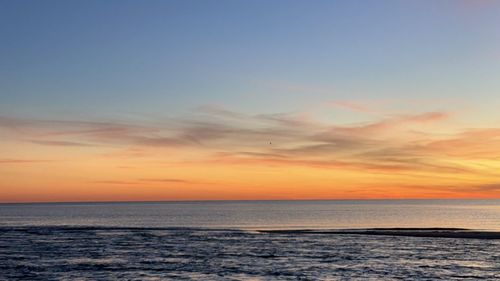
[[490, 187], [467, 189], [164, 180], [276, 139], [353, 106], [142, 181], [22, 161], [113, 182], [385, 147], [395, 122], [60, 143], [471, 144]]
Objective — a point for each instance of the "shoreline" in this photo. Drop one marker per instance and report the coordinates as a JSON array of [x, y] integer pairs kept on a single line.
[[406, 232]]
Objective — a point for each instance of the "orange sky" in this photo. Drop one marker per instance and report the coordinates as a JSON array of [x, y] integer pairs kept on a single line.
[[214, 153], [194, 100]]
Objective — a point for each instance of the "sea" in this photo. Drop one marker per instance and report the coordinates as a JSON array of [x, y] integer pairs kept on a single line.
[[230, 240]]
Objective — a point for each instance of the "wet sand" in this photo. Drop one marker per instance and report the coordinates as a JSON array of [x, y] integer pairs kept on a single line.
[[410, 232]]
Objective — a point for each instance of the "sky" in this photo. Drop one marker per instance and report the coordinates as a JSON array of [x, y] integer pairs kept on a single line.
[[239, 100]]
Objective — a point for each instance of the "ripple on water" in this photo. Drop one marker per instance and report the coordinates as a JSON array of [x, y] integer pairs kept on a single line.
[[48, 253]]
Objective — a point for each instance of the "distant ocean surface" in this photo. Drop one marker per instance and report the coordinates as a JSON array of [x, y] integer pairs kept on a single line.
[[219, 240], [334, 214]]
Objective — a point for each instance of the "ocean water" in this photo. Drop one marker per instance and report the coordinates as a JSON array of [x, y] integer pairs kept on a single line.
[[473, 214], [221, 241]]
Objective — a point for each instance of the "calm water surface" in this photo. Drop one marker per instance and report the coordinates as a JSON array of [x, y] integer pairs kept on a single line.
[[218, 241], [474, 214]]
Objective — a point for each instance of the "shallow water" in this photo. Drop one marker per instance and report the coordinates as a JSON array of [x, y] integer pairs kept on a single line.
[[218, 241], [59, 253]]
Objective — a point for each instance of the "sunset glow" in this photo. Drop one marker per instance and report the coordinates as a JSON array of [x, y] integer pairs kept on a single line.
[[151, 103]]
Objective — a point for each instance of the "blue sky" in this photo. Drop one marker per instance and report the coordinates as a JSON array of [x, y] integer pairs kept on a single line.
[[188, 100], [164, 57]]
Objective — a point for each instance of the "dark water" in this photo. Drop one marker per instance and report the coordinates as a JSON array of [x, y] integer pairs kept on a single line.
[[60, 253], [218, 241]]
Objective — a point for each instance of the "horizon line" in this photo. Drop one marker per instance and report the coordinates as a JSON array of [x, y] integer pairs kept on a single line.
[[245, 200]]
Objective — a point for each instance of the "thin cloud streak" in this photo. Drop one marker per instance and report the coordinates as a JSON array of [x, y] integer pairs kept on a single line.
[[142, 181], [113, 182], [164, 180], [22, 161], [60, 143], [277, 139], [352, 106]]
